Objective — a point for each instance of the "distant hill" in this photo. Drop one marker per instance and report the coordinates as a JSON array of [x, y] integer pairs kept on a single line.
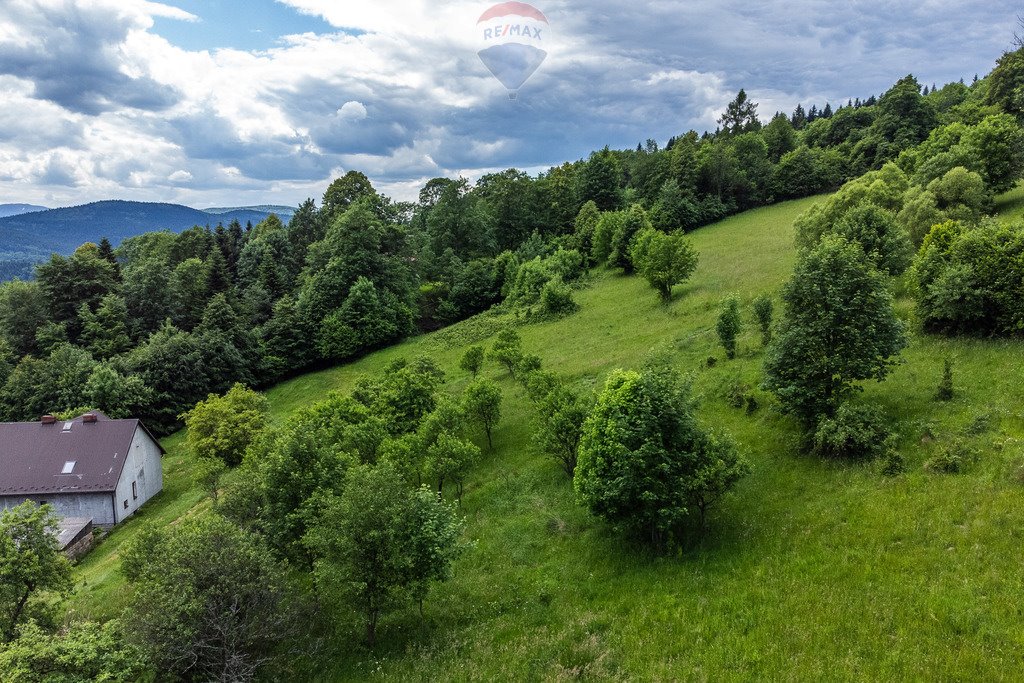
[[27, 238], [17, 209], [283, 212]]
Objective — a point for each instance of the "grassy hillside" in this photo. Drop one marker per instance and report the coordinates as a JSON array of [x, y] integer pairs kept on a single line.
[[809, 570]]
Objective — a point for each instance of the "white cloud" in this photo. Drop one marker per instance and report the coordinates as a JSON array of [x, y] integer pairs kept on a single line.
[[352, 111], [180, 176]]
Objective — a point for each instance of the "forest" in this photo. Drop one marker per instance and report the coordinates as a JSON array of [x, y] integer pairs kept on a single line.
[[330, 527]]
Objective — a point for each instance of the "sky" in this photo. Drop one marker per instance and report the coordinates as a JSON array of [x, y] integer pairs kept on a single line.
[[241, 102]]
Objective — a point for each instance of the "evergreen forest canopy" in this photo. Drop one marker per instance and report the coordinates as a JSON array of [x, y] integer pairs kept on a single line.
[[154, 326]]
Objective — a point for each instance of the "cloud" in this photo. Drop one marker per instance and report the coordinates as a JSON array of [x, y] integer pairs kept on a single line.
[[72, 52], [98, 104], [352, 111]]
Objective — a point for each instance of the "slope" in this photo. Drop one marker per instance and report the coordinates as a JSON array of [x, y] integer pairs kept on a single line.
[[810, 570]]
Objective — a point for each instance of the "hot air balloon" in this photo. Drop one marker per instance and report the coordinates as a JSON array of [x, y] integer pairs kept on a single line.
[[513, 36]]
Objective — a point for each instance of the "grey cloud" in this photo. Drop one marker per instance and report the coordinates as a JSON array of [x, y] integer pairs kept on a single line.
[[71, 57], [58, 172]]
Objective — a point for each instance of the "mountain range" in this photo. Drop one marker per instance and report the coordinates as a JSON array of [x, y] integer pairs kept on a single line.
[[17, 209], [29, 234]]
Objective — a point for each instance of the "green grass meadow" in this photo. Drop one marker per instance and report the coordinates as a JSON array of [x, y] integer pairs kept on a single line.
[[809, 570]]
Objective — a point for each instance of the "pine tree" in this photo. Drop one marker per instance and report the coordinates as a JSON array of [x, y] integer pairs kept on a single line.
[[799, 118], [740, 115], [105, 332]]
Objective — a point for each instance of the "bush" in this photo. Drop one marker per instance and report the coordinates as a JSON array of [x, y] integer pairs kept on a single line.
[[566, 264], [222, 427], [892, 463], [472, 360], [507, 349], [951, 458], [856, 432], [556, 298], [528, 364], [945, 390], [645, 464], [530, 280], [763, 312], [884, 241], [663, 260], [971, 279], [729, 325]]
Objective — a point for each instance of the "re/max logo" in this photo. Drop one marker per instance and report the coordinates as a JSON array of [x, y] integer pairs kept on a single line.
[[511, 30]]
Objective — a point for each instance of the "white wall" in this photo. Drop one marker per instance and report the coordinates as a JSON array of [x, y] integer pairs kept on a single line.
[[143, 467], [96, 506]]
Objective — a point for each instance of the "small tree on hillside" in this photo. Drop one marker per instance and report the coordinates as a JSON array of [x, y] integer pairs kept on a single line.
[[645, 464], [764, 309], [663, 260], [482, 402], [507, 349], [559, 425], [30, 563], [729, 325], [449, 458], [223, 426], [839, 328], [380, 543], [472, 360]]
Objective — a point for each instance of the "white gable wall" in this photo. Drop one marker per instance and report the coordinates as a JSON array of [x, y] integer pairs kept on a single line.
[[142, 467]]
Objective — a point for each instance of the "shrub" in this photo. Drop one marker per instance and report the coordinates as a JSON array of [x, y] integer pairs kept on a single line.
[[971, 279], [530, 280], [556, 298], [763, 312], [633, 223], [952, 458], [663, 260], [945, 390], [729, 325], [507, 349], [222, 427], [856, 432], [472, 360], [645, 464], [566, 264], [482, 402], [892, 463], [884, 241], [528, 364]]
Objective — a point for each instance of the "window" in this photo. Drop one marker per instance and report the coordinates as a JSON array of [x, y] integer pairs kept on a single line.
[[69, 467], [67, 426], [135, 492], [126, 504]]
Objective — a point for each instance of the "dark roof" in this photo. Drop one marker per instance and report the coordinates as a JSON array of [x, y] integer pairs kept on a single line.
[[70, 529], [33, 455]]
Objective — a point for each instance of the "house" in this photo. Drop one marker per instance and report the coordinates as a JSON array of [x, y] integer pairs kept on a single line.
[[91, 467]]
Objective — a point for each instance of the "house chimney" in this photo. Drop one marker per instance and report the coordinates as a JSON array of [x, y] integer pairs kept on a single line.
[[89, 418], [48, 419]]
